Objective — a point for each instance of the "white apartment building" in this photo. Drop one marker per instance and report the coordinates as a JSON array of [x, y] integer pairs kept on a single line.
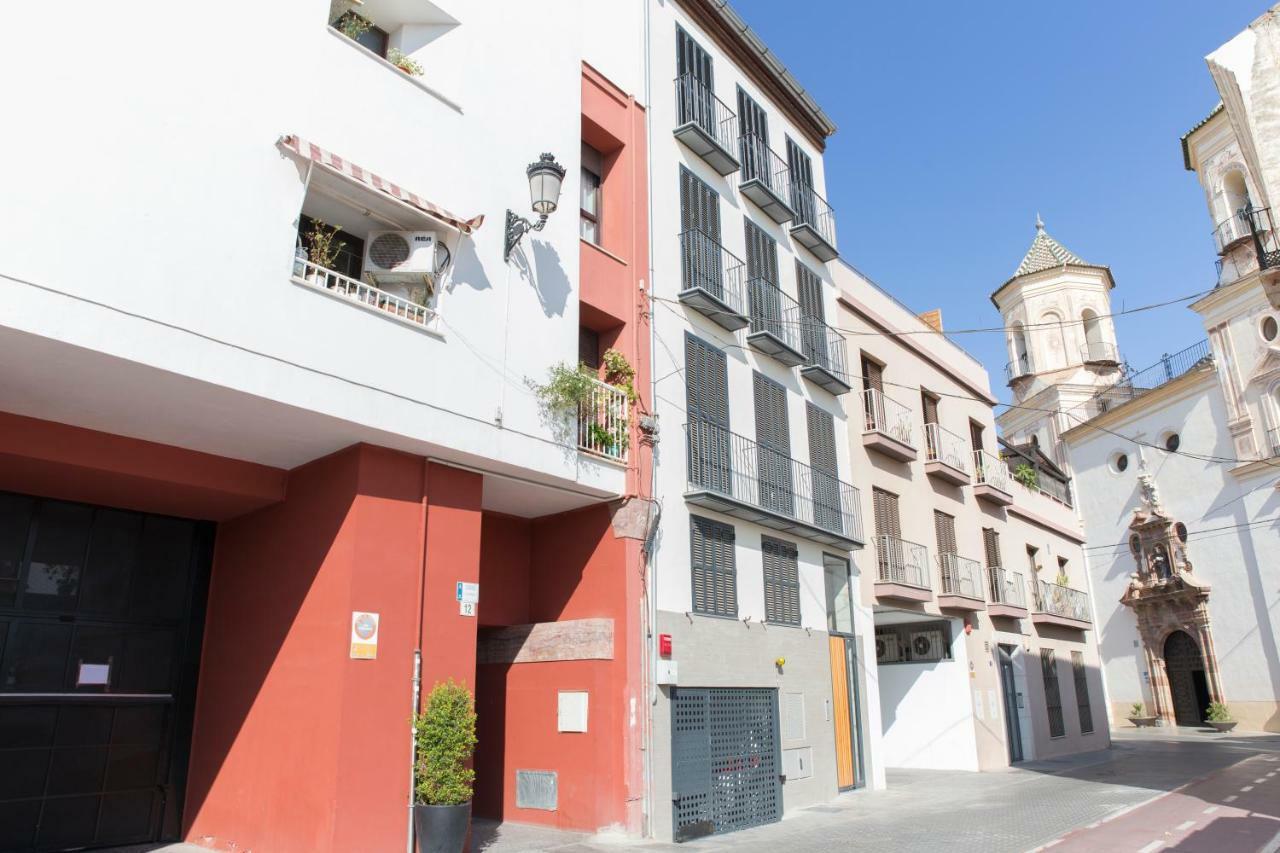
[[1178, 465], [974, 581]]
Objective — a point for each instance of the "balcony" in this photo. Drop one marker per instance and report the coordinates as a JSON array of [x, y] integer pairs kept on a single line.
[[946, 455], [1008, 592], [1232, 230], [961, 583], [1263, 230], [1136, 383], [902, 570], [888, 426], [766, 178], [992, 482], [1273, 440], [1100, 354], [1017, 369], [712, 280], [733, 475], [705, 125], [814, 225], [604, 423], [825, 360], [775, 322], [365, 296], [1062, 606]]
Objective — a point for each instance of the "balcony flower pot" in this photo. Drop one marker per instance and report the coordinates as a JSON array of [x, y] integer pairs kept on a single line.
[[442, 829], [1223, 726]]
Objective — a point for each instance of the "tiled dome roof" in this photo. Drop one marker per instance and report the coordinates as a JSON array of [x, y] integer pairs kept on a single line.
[[1046, 253]]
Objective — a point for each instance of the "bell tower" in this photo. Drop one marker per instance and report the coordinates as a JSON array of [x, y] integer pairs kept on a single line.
[[1061, 342]]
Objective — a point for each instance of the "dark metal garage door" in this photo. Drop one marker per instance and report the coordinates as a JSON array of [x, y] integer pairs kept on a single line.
[[725, 762], [97, 671]]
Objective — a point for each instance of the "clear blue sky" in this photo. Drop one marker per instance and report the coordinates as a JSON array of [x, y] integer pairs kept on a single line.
[[959, 121]]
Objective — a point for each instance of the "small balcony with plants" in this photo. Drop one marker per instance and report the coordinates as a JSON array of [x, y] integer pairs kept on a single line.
[[902, 570], [775, 322], [991, 479], [825, 363], [391, 32], [946, 455], [592, 411], [1058, 604], [962, 587], [731, 474], [766, 178], [888, 426], [1007, 593], [814, 225], [713, 280], [705, 125]]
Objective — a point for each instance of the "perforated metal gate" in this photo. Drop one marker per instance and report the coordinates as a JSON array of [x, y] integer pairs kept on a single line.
[[725, 762]]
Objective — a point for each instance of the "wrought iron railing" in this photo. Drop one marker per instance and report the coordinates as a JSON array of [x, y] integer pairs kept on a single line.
[[761, 163], [1273, 440], [751, 473], [960, 576], [943, 445], [313, 275], [1062, 601], [824, 347], [1231, 229], [885, 414], [1006, 587], [1265, 241], [1094, 351], [813, 210], [697, 104], [900, 561], [604, 423], [1135, 383], [774, 312], [1020, 366], [708, 266], [990, 469]]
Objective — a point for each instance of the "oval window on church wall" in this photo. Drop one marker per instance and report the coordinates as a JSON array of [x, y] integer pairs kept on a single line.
[[1269, 328], [1180, 530]]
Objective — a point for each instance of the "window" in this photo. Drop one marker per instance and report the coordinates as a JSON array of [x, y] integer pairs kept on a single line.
[[813, 328], [707, 407], [929, 404], [714, 575], [1063, 577], [781, 581], [1119, 463], [363, 32], [754, 142], [347, 250], [932, 437], [592, 170], [991, 553], [773, 445], [695, 101], [872, 381], [827, 511], [975, 435], [801, 168], [1033, 558], [1052, 694], [1082, 692], [763, 297], [588, 348], [1172, 442], [700, 256], [889, 556], [1269, 328], [839, 587], [944, 529]]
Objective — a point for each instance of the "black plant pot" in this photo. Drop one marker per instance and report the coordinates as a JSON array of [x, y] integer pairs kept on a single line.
[[441, 829]]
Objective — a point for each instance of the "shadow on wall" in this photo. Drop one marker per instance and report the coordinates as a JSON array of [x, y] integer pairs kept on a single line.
[[547, 275], [467, 268]]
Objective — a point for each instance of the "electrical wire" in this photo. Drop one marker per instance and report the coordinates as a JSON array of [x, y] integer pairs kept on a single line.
[[1196, 534]]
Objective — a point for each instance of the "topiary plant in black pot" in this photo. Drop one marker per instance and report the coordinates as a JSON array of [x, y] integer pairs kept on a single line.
[[445, 740]]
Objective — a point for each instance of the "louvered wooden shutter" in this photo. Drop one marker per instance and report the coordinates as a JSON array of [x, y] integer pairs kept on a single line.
[[872, 375], [801, 168], [714, 573], [773, 445], [930, 405], [991, 545], [707, 408], [975, 434], [700, 239], [692, 59], [944, 526], [781, 581], [762, 282], [754, 140], [813, 315], [827, 511], [888, 551]]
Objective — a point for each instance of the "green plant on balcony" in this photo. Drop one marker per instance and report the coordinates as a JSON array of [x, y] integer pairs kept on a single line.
[[1027, 476], [566, 389], [343, 18], [323, 245], [400, 60], [619, 373]]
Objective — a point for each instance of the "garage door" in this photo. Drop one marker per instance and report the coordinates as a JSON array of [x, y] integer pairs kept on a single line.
[[97, 652], [724, 760]]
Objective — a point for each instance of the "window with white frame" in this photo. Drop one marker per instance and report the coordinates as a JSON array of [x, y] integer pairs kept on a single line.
[[590, 194]]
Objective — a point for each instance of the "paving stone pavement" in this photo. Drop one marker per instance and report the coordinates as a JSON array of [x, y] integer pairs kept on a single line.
[[1020, 809]]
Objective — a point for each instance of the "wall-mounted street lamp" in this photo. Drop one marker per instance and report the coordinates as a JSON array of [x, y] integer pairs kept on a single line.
[[545, 178]]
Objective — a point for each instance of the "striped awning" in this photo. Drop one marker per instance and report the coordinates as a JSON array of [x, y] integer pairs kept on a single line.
[[314, 153]]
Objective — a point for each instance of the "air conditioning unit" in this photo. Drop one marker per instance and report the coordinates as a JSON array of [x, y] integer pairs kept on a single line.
[[887, 648], [401, 261], [927, 645]]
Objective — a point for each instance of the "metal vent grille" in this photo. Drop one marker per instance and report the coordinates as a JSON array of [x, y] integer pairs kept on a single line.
[[536, 789], [389, 251]]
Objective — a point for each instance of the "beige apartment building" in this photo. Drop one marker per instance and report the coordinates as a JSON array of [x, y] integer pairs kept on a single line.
[[974, 581]]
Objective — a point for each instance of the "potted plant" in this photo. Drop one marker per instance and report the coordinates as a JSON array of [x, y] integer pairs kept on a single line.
[[1027, 476], [1218, 715], [1138, 718], [398, 58], [444, 737], [323, 248]]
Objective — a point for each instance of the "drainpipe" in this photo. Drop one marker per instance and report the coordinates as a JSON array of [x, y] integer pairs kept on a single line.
[[417, 655], [650, 574]]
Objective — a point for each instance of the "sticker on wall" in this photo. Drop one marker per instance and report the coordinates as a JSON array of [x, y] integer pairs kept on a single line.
[[94, 674], [468, 593], [364, 635]]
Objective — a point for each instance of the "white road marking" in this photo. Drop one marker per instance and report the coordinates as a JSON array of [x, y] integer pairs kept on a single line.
[[1230, 799], [1184, 826], [1246, 789], [1272, 773], [1259, 781], [1152, 847], [1211, 810]]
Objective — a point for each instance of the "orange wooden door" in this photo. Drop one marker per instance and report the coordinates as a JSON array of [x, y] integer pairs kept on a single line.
[[841, 699]]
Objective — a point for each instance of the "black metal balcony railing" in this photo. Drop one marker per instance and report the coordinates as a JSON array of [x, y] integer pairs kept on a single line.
[[777, 315], [1167, 369], [750, 473], [824, 347], [813, 214], [1020, 366], [698, 108], [1062, 601], [1099, 352], [1233, 228], [1265, 241], [708, 267], [761, 163]]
